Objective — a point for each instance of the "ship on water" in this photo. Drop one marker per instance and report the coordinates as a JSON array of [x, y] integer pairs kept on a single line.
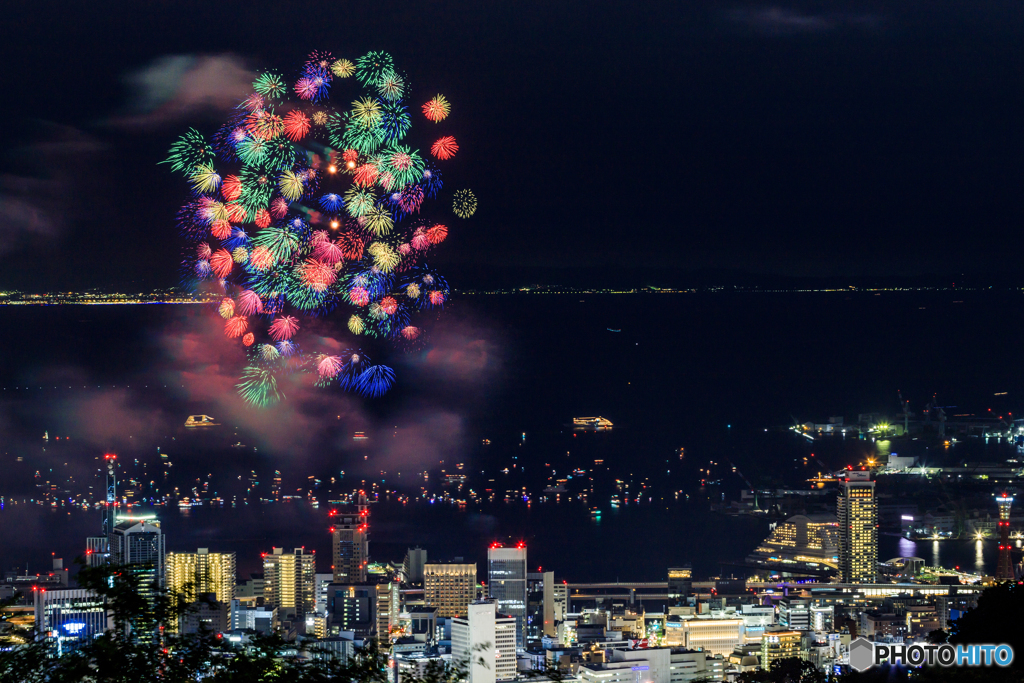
[[200, 421], [592, 424]]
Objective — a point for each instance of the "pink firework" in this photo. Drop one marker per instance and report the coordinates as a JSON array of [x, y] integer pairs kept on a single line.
[[386, 180], [254, 102], [203, 251], [262, 219], [249, 303], [405, 249], [261, 258], [279, 207], [231, 188], [359, 296], [389, 305], [236, 326], [318, 275], [436, 298], [401, 161], [319, 237], [329, 252], [220, 229], [420, 242], [437, 233], [410, 199], [283, 328], [444, 148], [221, 263], [411, 332], [307, 88], [329, 366]]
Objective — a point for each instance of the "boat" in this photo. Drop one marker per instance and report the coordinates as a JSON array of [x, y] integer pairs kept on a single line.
[[611, 330], [201, 421], [594, 424], [359, 436]]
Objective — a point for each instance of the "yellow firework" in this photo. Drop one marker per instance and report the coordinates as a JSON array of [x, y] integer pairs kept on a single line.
[[366, 111], [355, 325], [205, 179], [378, 221], [342, 68], [291, 185]]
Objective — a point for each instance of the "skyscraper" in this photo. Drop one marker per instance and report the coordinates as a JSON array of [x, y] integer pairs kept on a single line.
[[1004, 570], [351, 543], [483, 637], [506, 583], [191, 574], [290, 582], [857, 511], [139, 541], [449, 587]]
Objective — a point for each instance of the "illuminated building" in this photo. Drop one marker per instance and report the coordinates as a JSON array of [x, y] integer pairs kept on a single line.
[[1004, 570], [201, 572], [779, 645], [389, 607], [69, 618], [803, 543], [449, 587], [351, 543], [485, 635], [415, 559], [540, 607], [717, 636], [857, 511], [353, 608], [506, 583], [795, 613], [654, 665], [139, 542], [289, 581], [191, 574], [680, 583]]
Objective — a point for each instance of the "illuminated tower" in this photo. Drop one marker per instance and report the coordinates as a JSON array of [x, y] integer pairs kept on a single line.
[[857, 511], [1004, 570], [97, 548], [506, 584], [351, 543]]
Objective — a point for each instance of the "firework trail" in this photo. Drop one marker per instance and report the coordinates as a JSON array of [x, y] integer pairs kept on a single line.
[[313, 201]]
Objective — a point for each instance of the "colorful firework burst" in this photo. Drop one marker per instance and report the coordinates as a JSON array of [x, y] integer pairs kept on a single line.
[[300, 210]]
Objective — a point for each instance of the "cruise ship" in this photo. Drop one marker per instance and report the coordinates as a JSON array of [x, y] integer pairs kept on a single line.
[[200, 421], [592, 424]]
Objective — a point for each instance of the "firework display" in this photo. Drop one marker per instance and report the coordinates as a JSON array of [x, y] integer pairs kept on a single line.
[[313, 201]]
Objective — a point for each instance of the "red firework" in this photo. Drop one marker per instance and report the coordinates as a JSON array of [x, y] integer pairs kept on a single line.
[[444, 148], [283, 328], [203, 251], [249, 303], [248, 339], [231, 188], [420, 242], [296, 125], [318, 275], [329, 366], [388, 305], [366, 175], [436, 298], [328, 252], [436, 109], [359, 296], [436, 234], [262, 218], [351, 245], [221, 230], [221, 263], [279, 207], [261, 258], [350, 155], [411, 333], [236, 326]]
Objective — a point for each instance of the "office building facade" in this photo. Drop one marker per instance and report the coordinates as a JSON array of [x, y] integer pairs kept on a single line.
[[289, 582], [449, 587], [506, 584], [485, 642], [68, 619], [351, 544]]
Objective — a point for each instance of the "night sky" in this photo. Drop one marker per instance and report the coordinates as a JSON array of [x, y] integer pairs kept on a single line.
[[797, 138]]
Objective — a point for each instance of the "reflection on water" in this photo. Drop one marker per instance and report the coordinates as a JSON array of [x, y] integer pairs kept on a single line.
[[975, 556]]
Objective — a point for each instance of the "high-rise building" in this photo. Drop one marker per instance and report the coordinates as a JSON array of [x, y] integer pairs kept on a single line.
[[415, 559], [779, 644], [289, 582], [540, 607], [138, 541], [352, 608], [485, 642], [1004, 570], [68, 619], [506, 583], [191, 574], [857, 512], [389, 607], [449, 587], [795, 613], [351, 543]]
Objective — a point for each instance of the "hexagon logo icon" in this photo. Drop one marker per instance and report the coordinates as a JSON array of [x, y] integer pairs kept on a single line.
[[862, 654]]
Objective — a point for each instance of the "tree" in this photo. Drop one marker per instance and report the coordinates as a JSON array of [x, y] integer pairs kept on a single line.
[[788, 670]]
